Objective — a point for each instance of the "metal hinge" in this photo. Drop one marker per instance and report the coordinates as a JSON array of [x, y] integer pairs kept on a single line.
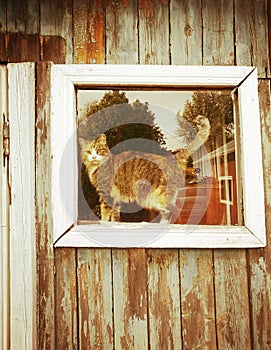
[[6, 138]]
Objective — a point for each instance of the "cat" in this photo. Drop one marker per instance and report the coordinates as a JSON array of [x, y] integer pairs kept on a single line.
[[152, 181]]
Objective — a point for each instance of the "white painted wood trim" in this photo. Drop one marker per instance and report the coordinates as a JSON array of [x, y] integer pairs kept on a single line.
[[157, 75], [252, 164], [21, 105], [4, 236], [158, 236], [65, 78]]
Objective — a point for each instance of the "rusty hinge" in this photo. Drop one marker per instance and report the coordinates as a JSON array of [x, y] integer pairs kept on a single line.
[[5, 138]]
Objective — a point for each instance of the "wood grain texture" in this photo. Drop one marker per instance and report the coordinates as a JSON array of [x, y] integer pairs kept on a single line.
[[260, 260], [22, 16], [153, 31], [121, 32], [52, 48], [22, 47], [197, 299], [95, 307], [66, 325], [4, 222], [186, 32], [21, 105], [218, 32], [164, 299], [130, 299], [89, 31], [3, 28], [44, 224], [251, 31], [56, 20], [232, 299]]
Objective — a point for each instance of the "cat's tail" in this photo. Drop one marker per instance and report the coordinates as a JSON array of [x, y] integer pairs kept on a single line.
[[202, 134]]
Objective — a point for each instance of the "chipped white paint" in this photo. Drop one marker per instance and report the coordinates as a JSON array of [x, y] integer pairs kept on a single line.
[[4, 240], [21, 102]]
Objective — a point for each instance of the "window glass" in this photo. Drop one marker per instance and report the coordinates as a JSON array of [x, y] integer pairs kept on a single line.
[[157, 155]]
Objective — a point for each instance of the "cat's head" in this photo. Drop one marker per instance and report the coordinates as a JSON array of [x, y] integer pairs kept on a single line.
[[94, 152]]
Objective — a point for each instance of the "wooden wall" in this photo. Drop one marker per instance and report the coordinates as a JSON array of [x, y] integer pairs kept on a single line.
[[147, 298]]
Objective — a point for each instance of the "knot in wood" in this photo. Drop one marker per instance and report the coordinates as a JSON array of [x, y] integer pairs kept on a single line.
[[188, 30]]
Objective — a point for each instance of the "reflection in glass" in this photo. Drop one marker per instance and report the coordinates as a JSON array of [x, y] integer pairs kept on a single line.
[[156, 156]]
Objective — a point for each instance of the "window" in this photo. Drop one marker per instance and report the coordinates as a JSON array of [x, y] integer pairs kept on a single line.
[[156, 156]]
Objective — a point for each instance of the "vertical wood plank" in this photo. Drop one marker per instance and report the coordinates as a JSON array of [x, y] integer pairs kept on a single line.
[[44, 226], [196, 266], [21, 106], [154, 31], [121, 32], [95, 299], [251, 31], [66, 300], [164, 299], [56, 25], [130, 299], [23, 16], [3, 28], [232, 301], [197, 299], [4, 226], [163, 273], [186, 32], [89, 31], [22, 31], [129, 265], [260, 259], [231, 294], [218, 35], [22, 47]]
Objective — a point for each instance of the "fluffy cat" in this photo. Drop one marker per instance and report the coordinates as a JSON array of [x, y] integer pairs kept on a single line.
[[152, 181]]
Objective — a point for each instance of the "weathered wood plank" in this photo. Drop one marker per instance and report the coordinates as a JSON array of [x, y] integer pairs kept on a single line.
[[23, 16], [197, 299], [196, 267], [130, 299], [23, 47], [44, 225], [95, 299], [186, 32], [260, 259], [154, 32], [66, 300], [121, 32], [52, 48], [232, 300], [3, 28], [218, 34], [269, 34], [56, 20], [89, 31], [4, 227], [251, 32], [21, 107], [22, 39], [164, 299]]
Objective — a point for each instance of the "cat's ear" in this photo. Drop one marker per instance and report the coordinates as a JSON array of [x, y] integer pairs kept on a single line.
[[102, 138]]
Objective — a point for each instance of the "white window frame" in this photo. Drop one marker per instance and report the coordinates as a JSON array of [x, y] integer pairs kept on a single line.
[[67, 233]]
